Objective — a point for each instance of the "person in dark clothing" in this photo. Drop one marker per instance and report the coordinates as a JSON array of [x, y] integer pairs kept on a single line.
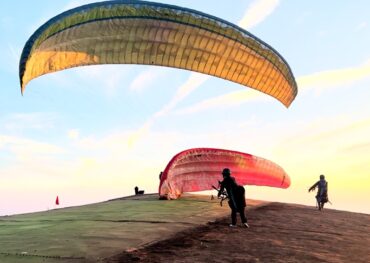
[[236, 195], [322, 192], [138, 192]]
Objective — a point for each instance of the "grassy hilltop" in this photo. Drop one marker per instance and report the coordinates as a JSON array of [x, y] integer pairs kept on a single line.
[[191, 229]]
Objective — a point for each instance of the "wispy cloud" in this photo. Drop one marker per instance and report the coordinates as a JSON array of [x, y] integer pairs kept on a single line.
[[257, 12], [27, 147], [336, 77], [97, 76], [193, 82], [146, 78], [15, 55], [325, 130], [361, 26], [232, 99], [361, 148], [327, 138], [9, 53], [318, 81], [113, 143], [34, 120]]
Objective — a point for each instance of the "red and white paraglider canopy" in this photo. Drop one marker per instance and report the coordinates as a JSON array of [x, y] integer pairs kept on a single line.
[[199, 169]]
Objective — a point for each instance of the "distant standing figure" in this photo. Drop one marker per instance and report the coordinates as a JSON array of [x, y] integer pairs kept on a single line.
[[322, 192], [236, 194], [137, 192]]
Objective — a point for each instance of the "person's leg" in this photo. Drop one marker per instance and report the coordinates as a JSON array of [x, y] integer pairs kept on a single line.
[[233, 217], [242, 215], [318, 202]]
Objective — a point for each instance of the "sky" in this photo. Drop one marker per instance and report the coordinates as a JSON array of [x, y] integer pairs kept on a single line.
[[93, 133]]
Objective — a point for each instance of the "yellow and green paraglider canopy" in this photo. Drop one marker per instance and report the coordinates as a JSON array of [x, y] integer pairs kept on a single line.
[[140, 32]]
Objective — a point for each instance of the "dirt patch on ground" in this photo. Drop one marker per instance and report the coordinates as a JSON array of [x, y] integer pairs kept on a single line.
[[278, 233]]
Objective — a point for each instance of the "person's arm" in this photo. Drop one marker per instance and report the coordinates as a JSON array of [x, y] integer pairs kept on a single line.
[[222, 187], [313, 187]]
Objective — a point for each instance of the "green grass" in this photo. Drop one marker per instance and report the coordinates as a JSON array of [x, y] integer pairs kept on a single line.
[[91, 232]]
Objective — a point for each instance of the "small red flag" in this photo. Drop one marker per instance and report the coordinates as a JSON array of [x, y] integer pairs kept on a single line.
[[57, 201]]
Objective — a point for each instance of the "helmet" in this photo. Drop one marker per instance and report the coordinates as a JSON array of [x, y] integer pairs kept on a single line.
[[226, 172], [322, 176]]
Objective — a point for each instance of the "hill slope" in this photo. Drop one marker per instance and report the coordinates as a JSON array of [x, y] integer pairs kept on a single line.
[[278, 233]]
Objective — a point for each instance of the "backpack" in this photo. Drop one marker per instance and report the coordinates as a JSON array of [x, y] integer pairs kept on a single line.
[[240, 196], [240, 190]]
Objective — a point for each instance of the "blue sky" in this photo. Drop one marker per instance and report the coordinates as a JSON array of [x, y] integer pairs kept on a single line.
[[92, 133]]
